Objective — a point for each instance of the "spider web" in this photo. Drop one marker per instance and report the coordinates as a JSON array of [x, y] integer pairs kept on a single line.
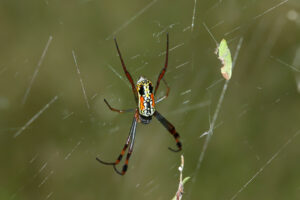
[[240, 137]]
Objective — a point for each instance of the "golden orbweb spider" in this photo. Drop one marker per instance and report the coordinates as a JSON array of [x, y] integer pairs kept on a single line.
[[144, 98]]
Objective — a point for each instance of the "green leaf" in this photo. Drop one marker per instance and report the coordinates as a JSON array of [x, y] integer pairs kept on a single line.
[[225, 57], [185, 180]]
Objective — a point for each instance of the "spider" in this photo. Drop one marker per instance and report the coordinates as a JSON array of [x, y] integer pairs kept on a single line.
[[144, 98]]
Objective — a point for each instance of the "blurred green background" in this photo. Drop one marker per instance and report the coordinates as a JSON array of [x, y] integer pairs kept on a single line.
[[54, 157]]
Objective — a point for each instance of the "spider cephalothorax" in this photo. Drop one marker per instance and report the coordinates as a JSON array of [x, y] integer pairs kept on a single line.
[[144, 97]]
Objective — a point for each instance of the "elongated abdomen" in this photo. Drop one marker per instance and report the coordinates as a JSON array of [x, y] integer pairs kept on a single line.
[[146, 97]]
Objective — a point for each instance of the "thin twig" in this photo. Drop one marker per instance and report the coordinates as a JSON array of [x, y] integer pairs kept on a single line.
[[179, 193]]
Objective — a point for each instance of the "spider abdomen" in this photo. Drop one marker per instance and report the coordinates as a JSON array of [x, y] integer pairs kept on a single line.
[[146, 98]]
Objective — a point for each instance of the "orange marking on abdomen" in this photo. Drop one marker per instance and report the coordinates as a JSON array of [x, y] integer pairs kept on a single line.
[[153, 102], [142, 103]]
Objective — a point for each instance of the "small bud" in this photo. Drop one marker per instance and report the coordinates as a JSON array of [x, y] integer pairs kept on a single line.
[[180, 169]]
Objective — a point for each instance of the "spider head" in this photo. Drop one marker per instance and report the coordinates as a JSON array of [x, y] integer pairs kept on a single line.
[[146, 98]]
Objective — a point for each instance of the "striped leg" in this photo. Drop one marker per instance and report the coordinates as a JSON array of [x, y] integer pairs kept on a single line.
[[125, 166], [129, 141], [171, 129], [120, 156], [117, 110]]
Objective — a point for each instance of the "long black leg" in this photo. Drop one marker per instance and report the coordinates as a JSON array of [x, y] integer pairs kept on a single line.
[[127, 73], [170, 128], [163, 71], [129, 141], [117, 110]]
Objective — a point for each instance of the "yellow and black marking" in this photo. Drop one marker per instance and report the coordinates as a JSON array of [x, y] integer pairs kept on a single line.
[[146, 102]]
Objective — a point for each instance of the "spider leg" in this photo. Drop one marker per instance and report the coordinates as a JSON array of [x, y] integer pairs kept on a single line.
[[167, 93], [125, 166], [127, 73], [117, 110], [129, 141], [163, 71], [170, 128], [120, 156]]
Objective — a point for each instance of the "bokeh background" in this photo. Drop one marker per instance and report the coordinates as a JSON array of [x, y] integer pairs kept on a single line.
[[54, 156]]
